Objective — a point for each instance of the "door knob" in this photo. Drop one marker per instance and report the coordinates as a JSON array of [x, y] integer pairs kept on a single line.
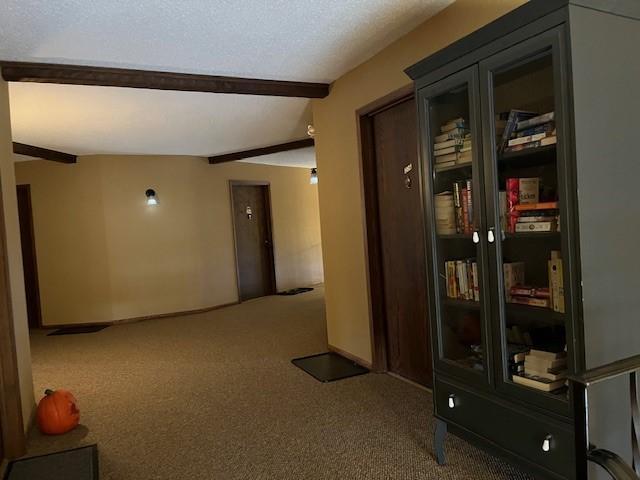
[[546, 443], [452, 401], [476, 237], [491, 236]]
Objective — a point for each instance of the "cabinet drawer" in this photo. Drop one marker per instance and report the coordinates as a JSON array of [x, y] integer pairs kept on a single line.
[[509, 428]]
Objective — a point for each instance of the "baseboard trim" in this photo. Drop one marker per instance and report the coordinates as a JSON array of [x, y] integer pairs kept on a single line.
[[143, 318], [350, 356], [410, 382]]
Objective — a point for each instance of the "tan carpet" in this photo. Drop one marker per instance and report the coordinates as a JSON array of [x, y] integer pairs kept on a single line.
[[214, 396]]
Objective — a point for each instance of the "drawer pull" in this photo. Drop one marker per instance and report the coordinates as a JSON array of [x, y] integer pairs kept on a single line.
[[546, 443], [452, 401]]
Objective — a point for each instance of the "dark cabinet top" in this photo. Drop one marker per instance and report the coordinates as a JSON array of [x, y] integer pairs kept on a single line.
[[512, 21]]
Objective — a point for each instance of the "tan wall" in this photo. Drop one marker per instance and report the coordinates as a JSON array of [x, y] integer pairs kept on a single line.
[[337, 151], [14, 253], [104, 255]]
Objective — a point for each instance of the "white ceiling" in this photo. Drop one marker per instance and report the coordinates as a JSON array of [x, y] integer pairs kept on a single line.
[[303, 40]]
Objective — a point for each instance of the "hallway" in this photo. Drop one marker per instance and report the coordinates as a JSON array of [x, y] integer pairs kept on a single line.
[[214, 396]]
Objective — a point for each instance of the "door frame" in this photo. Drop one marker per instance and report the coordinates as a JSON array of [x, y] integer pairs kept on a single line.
[[254, 183], [27, 187], [373, 243], [12, 433]]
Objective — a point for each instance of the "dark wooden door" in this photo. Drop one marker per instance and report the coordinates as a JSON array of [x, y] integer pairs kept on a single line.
[[29, 263], [254, 249], [401, 227]]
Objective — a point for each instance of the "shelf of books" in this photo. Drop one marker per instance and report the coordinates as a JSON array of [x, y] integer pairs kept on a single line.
[[534, 347], [454, 202]]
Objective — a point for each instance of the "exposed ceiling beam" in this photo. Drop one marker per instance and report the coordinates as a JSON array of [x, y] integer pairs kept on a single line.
[[44, 153], [257, 152], [122, 77]]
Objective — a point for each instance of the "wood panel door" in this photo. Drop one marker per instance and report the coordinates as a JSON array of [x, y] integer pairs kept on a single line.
[[402, 242], [254, 248], [29, 262]]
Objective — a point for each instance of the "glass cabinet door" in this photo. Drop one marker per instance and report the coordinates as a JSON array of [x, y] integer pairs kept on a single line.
[[527, 218], [449, 117]]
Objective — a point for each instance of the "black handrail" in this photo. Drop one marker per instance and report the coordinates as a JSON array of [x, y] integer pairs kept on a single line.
[[607, 372], [585, 452]]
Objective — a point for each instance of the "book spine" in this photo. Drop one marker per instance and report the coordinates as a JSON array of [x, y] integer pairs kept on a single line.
[[476, 285], [536, 206], [469, 205], [469, 268], [513, 197], [540, 119], [465, 211], [536, 227], [530, 292], [445, 151], [530, 138], [457, 203], [446, 144], [557, 285], [460, 280], [532, 302]]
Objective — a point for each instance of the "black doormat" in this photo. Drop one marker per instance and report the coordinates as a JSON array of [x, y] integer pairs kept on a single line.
[[296, 291], [77, 330], [327, 367], [76, 464]]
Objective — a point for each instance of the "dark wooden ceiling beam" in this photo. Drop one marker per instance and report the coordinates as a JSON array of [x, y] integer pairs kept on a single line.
[[122, 77], [257, 152], [44, 153]]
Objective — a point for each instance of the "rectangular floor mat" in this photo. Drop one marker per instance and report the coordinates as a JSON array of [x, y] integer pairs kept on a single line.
[[76, 464], [328, 367], [296, 291], [77, 330]]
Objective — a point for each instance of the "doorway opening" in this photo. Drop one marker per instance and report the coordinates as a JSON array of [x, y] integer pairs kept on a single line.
[[29, 261], [251, 214], [396, 238]]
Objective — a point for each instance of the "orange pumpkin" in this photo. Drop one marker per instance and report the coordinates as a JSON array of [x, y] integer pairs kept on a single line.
[[58, 412]]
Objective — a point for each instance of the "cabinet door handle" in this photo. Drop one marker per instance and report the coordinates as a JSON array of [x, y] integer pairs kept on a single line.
[[452, 401], [491, 236], [476, 237], [546, 443]]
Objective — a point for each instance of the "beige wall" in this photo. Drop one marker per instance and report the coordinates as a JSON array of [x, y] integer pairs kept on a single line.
[[14, 253], [104, 255], [337, 150]]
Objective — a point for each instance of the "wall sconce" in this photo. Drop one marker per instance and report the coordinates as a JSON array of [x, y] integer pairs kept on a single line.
[[311, 131], [151, 197], [313, 180]]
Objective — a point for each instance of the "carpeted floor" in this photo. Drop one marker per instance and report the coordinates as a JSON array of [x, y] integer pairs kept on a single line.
[[214, 396]]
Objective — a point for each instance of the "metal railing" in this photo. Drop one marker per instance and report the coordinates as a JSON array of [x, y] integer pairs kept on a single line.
[[617, 468]]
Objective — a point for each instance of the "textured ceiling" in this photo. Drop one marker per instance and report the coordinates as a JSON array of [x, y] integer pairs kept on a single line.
[[290, 40], [306, 40]]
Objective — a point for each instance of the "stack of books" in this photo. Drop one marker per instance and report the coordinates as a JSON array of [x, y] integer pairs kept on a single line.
[[521, 209], [537, 217], [446, 223], [543, 370], [463, 205], [532, 296], [524, 130], [462, 279], [453, 146]]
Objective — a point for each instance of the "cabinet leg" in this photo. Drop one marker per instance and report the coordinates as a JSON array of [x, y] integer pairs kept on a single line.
[[438, 441]]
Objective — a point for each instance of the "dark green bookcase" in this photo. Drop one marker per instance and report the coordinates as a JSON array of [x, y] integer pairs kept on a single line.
[[578, 59]]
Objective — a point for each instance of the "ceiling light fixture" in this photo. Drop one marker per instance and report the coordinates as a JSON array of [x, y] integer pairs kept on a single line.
[[151, 197], [313, 180]]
